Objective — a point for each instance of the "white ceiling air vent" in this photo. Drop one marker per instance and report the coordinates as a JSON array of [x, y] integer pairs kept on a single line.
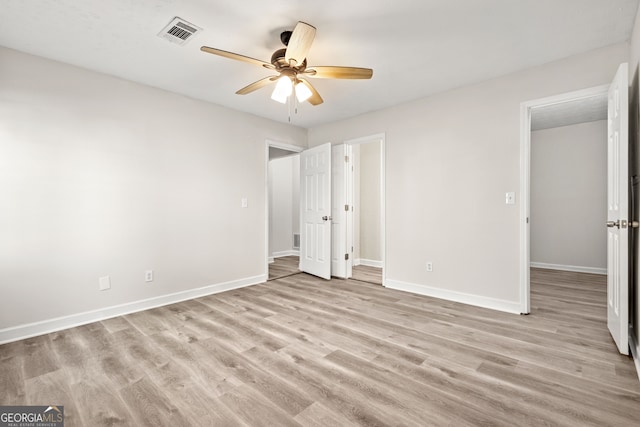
[[179, 31]]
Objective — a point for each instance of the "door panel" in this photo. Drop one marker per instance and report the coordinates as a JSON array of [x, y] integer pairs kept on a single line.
[[618, 210], [315, 236]]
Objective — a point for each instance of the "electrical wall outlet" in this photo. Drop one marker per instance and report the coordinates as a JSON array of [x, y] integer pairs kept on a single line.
[[148, 276], [429, 266], [104, 283]]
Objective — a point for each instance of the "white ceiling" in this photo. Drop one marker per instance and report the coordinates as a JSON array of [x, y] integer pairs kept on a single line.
[[416, 47], [276, 153], [582, 110]]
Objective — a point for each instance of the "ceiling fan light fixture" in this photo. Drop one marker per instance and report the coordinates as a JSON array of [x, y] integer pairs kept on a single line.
[[302, 92], [283, 89], [291, 62]]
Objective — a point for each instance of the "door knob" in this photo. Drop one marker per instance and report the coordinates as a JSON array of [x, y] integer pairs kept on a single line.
[[326, 218], [612, 224]]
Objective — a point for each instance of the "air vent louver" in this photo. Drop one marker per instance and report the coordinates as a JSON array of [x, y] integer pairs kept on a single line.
[[179, 31]]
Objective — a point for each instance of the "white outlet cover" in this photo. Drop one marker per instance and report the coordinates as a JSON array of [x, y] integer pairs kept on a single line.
[[244, 202], [105, 283]]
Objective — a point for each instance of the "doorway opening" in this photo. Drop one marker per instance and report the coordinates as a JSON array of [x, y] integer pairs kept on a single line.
[[617, 203], [329, 201], [366, 220], [555, 125], [282, 208], [619, 219]]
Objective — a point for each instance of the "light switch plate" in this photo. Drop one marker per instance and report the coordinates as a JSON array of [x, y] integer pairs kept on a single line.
[[510, 198], [244, 202], [105, 283]]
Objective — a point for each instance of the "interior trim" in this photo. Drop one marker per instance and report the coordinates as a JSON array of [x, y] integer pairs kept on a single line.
[[29, 330], [476, 300], [576, 268]]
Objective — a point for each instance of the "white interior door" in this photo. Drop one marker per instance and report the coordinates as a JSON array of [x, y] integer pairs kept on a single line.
[[618, 210], [315, 211], [339, 203]]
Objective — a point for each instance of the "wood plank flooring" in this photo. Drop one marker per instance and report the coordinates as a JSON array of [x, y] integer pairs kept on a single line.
[[365, 273], [304, 351], [283, 266], [288, 265]]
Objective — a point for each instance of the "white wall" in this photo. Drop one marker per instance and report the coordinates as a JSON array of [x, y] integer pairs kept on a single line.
[[100, 176], [284, 215], [450, 158], [569, 196], [369, 206]]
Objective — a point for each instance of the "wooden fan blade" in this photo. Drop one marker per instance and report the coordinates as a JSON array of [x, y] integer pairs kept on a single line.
[[257, 85], [236, 56], [329, 72], [315, 98], [300, 43]]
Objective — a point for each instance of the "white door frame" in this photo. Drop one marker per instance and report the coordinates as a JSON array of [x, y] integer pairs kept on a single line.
[[381, 137], [525, 178], [282, 146], [340, 180]]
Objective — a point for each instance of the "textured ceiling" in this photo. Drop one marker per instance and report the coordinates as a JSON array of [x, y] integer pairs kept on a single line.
[[416, 48], [568, 113]]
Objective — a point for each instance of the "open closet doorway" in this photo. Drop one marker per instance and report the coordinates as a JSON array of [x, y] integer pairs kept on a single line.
[[282, 208], [365, 195]]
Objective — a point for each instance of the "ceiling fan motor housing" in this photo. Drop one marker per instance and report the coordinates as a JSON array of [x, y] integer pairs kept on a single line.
[[285, 36], [278, 60]]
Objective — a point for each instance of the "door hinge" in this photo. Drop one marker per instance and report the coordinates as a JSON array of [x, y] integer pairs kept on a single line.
[[346, 208], [346, 256], [346, 158]]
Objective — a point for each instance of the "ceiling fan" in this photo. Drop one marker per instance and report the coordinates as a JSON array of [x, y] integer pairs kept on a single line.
[[291, 65]]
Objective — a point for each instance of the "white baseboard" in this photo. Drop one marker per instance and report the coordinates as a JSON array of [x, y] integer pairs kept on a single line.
[[29, 330], [635, 351], [576, 268], [367, 262], [477, 300], [286, 253]]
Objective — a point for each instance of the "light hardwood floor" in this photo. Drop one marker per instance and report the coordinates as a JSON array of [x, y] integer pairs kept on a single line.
[[283, 266], [365, 273], [303, 351], [288, 265]]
